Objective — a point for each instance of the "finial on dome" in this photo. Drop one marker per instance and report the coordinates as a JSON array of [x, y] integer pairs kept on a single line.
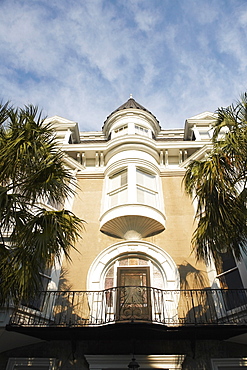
[[131, 96]]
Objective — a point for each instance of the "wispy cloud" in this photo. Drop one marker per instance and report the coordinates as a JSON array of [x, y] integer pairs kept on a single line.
[[82, 59]]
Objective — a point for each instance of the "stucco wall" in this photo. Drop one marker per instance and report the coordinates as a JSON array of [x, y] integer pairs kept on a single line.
[[175, 239], [87, 205]]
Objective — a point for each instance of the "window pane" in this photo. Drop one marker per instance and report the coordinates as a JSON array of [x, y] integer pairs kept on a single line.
[[236, 296], [231, 280], [133, 261], [140, 195], [123, 262], [146, 197], [109, 283], [118, 197], [110, 272], [122, 199], [228, 261], [130, 261], [121, 131], [139, 130], [145, 179], [118, 180]]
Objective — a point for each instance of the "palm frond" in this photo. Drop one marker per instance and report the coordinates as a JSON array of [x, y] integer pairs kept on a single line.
[[31, 170], [218, 185]]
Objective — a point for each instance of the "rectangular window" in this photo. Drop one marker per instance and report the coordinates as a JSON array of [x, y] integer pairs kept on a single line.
[[145, 179], [118, 180], [139, 130], [121, 131], [146, 188], [145, 196], [120, 196], [37, 301], [118, 189], [230, 281]]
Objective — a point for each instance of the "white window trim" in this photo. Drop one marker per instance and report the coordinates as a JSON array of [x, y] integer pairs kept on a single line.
[[132, 187], [229, 362], [18, 363]]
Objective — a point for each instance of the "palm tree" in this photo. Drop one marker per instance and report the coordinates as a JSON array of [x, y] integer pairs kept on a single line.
[[218, 184], [31, 173]]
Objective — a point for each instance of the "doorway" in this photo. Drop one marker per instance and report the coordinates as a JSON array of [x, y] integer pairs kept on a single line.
[[133, 300]]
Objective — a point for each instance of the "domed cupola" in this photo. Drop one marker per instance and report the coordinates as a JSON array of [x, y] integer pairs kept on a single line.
[[132, 207], [131, 118]]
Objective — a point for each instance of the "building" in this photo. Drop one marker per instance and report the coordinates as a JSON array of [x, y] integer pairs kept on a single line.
[[134, 294]]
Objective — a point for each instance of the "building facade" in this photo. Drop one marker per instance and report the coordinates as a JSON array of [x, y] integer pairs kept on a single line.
[[134, 288]]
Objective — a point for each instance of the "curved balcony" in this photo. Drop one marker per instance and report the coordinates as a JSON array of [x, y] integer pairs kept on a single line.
[[124, 304], [132, 221]]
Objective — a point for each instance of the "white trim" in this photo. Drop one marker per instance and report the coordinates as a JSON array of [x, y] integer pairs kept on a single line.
[[163, 259], [229, 362], [171, 362], [18, 363]]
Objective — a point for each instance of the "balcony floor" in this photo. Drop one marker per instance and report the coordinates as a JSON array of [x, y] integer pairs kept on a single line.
[[132, 330]]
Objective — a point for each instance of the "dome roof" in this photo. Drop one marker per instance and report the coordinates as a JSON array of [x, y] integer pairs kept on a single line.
[[130, 104]]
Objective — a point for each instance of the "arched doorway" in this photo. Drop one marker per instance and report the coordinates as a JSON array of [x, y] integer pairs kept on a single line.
[[140, 281], [131, 275]]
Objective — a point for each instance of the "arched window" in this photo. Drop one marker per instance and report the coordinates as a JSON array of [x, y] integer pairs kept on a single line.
[[134, 269]]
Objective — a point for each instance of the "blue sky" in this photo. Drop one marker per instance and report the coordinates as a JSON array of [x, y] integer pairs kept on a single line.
[[81, 59]]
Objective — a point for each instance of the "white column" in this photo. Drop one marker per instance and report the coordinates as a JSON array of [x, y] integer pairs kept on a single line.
[[78, 157], [83, 159], [132, 183], [161, 158], [96, 159], [102, 159], [166, 158]]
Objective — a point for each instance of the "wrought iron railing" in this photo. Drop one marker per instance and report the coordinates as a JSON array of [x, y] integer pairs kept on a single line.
[[138, 304]]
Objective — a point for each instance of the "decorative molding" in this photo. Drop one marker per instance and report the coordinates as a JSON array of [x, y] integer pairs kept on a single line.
[[91, 175], [152, 251]]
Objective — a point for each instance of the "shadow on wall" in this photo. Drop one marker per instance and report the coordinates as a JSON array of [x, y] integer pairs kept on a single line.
[[190, 277], [63, 282]]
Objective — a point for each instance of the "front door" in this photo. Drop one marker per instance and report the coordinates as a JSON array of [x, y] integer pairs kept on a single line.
[[133, 293]]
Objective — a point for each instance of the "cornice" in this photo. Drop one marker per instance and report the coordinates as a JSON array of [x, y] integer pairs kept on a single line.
[[90, 175], [172, 172], [132, 139]]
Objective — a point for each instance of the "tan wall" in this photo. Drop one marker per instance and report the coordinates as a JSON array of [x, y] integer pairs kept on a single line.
[[87, 205], [175, 239]]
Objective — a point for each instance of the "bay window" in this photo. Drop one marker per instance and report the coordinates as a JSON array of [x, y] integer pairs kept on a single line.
[[132, 185]]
